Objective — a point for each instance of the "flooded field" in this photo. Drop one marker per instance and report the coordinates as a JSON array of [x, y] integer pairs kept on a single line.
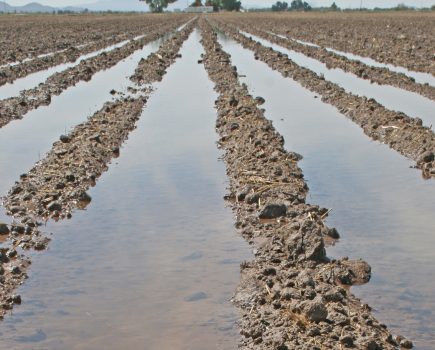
[[192, 181], [374, 194]]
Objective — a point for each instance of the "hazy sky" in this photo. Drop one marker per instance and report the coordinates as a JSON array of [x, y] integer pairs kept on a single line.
[[248, 3]]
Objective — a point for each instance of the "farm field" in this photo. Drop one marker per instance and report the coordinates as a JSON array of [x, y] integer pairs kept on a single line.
[[241, 180]]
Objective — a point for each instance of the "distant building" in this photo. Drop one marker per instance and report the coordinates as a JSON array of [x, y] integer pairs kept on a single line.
[[198, 9]]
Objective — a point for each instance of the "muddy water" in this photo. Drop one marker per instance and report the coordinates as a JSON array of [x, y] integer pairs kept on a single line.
[[154, 260], [23, 142], [381, 207], [391, 97]]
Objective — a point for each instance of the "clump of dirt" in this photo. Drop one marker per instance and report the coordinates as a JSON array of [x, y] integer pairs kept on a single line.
[[291, 295]]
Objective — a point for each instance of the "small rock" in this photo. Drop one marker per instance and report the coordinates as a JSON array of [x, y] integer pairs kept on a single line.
[[372, 345], [65, 138], [272, 211], [84, 197], [15, 270], [406, 344], [269, 271], [331, 232], [54, 206], [69, 176], [260, 100], [4, 229], [315, 310], [346, 340], [252, 198], [16, 299], [426, 157]]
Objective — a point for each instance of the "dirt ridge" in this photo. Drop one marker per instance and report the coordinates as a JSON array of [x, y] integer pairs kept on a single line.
[[400, 132], [291, 295], [381, 76], [57, 185]]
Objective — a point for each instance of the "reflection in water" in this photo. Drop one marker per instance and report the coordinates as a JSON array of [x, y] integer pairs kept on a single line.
[[34, 79], [141, 267], [413, 104], [422, 78], [383, 209], [23, 142]]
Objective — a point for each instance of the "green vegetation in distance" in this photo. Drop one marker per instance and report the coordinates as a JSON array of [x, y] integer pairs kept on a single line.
[[158, 5], [228, 5]]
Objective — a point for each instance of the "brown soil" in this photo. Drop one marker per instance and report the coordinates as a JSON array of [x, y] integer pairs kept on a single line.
[[381, 76], [32, 35], [404, 39], [57, 185], [402, 133], [16, 107], [291, 295], [10, 73]]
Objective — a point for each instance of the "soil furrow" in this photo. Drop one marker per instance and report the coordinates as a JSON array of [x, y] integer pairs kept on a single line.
[[291, 296], [26, 37], [402, 133], [12, 73], [16, 107], [57, 184], [402, 39], [381, 76]]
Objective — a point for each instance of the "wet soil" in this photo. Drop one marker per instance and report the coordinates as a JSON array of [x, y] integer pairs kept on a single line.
[[16, 107], [291, 295], [27, 37], [402, 133], [153, 261], [58, 183], [381, 76], [382, 208], [404, 39]]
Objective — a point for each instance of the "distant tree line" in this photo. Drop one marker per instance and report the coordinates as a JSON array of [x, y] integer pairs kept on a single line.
[[295, 5], [228, 5]]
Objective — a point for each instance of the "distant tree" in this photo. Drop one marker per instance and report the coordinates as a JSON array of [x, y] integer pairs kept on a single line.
[[231, 5], [433, 8], [217, 5], [158, 5], [334, 7], [402, 7], [196, 3], [280, 6], [298, 5]]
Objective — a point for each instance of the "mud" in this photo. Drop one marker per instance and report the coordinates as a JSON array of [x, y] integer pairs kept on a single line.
[[57, 185], [291, 296], [381, 76], [402, 133], [16, 107]]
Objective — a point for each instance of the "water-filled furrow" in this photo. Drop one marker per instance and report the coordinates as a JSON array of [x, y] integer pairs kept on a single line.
[[32, 80], [391, 97], [422, 78], [380, 205], [154, 260], [26, 141]]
